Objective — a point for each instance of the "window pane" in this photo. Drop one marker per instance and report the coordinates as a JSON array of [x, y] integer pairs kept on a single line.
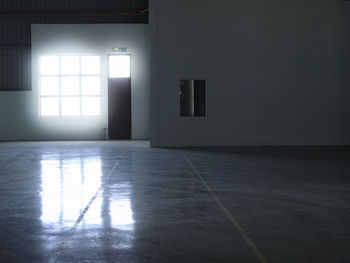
[[49, 86], [70, 65], [90, 86], [49, 65], [90, 65], [50, 107], [70, 106], [119, 66], [70, 86], [91, 106]]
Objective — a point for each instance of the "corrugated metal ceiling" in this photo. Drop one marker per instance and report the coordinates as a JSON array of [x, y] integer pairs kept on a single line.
[[70, 5]]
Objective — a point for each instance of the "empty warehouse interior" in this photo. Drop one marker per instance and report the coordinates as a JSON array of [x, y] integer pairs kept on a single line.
[[175, 131]]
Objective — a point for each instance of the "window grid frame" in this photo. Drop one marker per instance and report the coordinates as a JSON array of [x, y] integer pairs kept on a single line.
[[60, 96]]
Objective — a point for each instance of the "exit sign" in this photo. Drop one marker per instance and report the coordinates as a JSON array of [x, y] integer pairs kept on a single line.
[[120, 49]]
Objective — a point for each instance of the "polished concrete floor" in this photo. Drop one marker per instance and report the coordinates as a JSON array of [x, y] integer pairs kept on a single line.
[[105, 201]]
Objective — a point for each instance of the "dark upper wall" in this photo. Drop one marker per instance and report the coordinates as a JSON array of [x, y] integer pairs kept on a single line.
[[16, 16]]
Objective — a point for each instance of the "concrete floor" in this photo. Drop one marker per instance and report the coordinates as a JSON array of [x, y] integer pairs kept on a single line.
[[125, 202]]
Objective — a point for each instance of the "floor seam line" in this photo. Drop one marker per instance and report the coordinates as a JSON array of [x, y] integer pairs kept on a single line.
[[82, 214], [233, 220]]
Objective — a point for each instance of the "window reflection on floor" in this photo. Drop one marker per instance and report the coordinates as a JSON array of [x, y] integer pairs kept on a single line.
[[67, 187], [68, 184]]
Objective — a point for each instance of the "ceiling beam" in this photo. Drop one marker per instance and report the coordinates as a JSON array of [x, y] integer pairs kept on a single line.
[[87, 13]]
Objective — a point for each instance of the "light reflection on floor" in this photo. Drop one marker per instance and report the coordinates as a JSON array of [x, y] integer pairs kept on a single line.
[[67, 187], [120, 208]]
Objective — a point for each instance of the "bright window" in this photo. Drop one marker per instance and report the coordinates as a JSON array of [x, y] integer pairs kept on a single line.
[[70, 85], [119, 66]]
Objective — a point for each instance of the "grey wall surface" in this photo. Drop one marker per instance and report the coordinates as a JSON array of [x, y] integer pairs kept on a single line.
[[19, 111], [277, 72]]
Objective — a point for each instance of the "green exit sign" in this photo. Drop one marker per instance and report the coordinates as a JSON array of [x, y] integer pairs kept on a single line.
[[120, 49]]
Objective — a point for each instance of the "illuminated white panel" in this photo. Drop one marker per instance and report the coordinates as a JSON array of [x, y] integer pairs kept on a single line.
[[90, 86], [119, 66], [49, 86], [70, 106], [49, 107], [91, 106], [49, 65], [90, 65], [70, 86], [70, 65]]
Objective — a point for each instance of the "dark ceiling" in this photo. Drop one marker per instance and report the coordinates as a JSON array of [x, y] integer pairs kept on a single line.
[[71, 5]]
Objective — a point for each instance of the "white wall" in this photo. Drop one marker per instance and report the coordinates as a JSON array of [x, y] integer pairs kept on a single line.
[[277, 72], [19, 111]]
